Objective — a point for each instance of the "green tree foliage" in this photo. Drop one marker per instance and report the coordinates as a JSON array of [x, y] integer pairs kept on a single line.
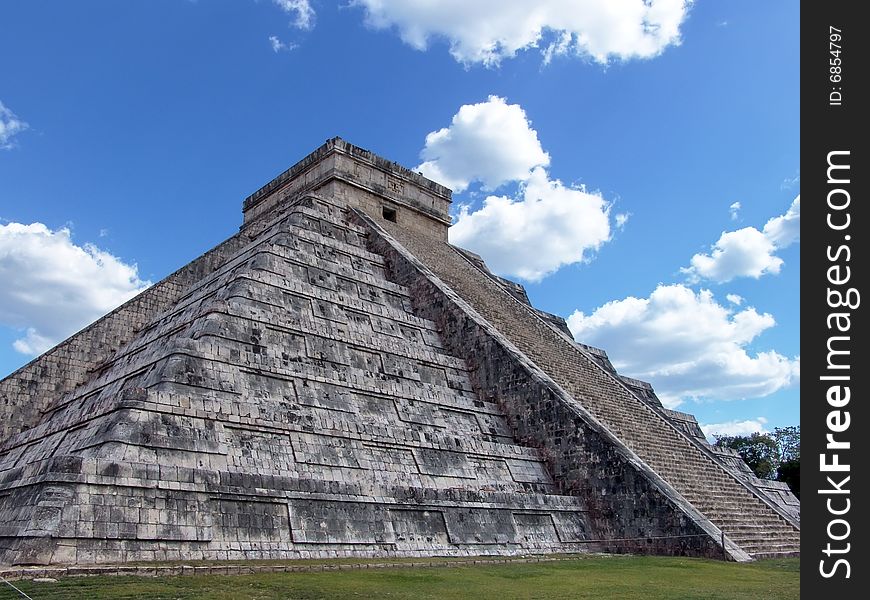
[[788, 440], [758, 450], [773, 455], [790, 473]]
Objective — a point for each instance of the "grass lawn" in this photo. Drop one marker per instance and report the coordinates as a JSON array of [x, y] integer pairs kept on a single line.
[[597, 577]]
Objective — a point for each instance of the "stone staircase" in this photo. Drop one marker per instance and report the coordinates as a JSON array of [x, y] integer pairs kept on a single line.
[[741, 515], [288, 395]]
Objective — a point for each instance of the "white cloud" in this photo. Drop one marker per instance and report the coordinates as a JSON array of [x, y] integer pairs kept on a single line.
[[785, 230], [748, 252], [747, 427], [687, 345], [491, 142], [547, 226], [10, 126], [734, 299], [488, 31], [301, 11], [790, 182], [559, 47], [621, 219], [734, 209], [52, 287], [278, 45], [33, 343]]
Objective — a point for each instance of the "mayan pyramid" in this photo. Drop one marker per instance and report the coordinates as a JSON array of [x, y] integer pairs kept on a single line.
[[337, 380]]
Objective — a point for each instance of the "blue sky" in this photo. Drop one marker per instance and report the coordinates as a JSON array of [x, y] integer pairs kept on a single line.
[[132, 131]]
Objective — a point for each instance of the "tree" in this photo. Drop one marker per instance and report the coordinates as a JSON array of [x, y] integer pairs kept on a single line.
[[758, 450], [788, 439], [775, 455], [790, 473]]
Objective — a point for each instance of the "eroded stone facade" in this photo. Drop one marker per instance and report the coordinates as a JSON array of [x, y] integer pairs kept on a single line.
[[337, 380]]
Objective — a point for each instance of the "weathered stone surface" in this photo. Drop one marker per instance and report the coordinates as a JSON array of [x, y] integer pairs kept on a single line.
[[591, 391], [332, 382]]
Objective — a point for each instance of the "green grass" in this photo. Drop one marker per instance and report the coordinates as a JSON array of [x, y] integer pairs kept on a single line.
[[598, 577]]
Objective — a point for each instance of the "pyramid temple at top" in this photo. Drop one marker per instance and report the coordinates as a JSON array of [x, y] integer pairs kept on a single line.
[[337, 380]]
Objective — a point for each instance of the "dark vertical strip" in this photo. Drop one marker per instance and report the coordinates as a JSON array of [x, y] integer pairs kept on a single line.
[[834, 172]]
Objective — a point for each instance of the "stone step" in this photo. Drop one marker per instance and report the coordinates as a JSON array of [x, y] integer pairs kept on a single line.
[[701, 481], [769, 546], [761, 536], [781, 554]]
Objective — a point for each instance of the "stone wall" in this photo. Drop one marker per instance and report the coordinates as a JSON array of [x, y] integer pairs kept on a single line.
[[290, 405], [364, 177], [373, 204], [347, 172], [320, 387], [626, 502], [28, 392]]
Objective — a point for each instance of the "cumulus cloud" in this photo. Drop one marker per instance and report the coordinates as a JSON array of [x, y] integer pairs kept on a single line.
[[491, 142], [734, 210], [53, 287], [33, 343], [10, 126], [488, 31], [785, 230], [547, 226], [747, 427], [301, 11], [687, 345], [748, 252], [734, 299]]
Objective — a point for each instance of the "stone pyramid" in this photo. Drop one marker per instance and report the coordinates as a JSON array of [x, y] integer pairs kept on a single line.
[[337, 380]]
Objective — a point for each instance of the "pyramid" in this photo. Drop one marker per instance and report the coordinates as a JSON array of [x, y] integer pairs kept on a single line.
[[337, 380]]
